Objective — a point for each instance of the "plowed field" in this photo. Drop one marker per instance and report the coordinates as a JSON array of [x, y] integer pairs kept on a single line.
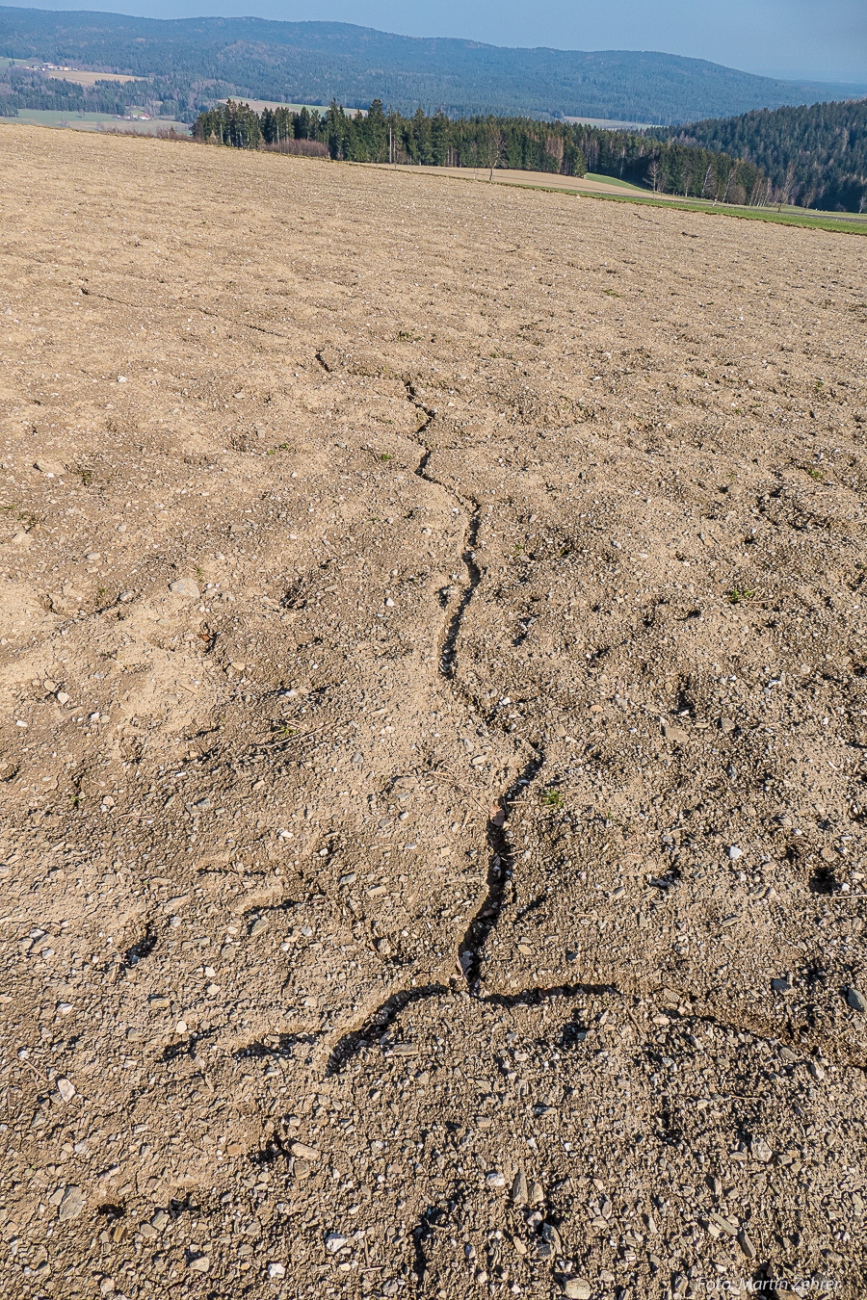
[[433, 737]]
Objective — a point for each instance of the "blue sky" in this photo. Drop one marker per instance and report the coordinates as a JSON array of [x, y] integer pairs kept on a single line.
[[820, 39]]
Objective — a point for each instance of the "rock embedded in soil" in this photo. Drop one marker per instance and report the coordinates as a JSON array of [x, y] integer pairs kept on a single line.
[[185, 587], [71, 1204]]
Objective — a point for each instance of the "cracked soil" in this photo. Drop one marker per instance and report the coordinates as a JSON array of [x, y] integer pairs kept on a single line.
[[433, 737]]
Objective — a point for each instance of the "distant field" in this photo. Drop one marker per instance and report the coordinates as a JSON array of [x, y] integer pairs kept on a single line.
[[80, 77], [88, 78], [95, 121], [612, 180], [609, 124]]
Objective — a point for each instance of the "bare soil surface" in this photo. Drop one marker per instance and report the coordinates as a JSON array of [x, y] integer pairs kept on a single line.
[[547, 180], [432, 740]]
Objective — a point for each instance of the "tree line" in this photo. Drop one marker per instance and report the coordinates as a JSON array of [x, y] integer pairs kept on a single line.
[[518, 143], [814, 157]]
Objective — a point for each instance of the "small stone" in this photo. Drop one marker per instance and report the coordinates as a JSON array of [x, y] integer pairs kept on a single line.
[[159, 1220], [301, 1151], [550, 1234], [760, 1150], [62, 697], [577, 1288], [537, 1194], [276, 1270], [335, 1241], [185, 587], [495, 1179], [199, 1263], [258, 926], [93, 555], [66, 1089], [49, 685], [746, 1245], [816, 1071], [71, 1204], [780, 985], [734, 853], [856, 1000], [519, 1188]]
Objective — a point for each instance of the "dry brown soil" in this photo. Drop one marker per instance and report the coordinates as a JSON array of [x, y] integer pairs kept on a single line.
[[546, 180], [432, 740]]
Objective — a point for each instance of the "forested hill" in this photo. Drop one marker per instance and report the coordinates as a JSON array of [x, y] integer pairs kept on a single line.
[[814, 157], [315, 62]]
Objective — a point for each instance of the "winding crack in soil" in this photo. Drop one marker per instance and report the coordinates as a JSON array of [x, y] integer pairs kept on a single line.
[[500, 857]]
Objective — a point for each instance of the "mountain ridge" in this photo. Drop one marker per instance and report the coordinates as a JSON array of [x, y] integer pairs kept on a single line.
[[315, 61]]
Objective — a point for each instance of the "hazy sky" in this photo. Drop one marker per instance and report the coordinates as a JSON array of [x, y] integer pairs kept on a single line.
[[820, 39]]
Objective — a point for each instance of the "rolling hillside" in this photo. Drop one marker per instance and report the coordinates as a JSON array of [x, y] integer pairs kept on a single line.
[[313, 62]]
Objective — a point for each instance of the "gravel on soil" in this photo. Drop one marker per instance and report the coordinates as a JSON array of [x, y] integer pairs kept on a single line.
[[433, 737]]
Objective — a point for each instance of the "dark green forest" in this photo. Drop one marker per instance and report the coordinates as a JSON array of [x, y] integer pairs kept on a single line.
[[814, 157], [524, 144], [206, 59]]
